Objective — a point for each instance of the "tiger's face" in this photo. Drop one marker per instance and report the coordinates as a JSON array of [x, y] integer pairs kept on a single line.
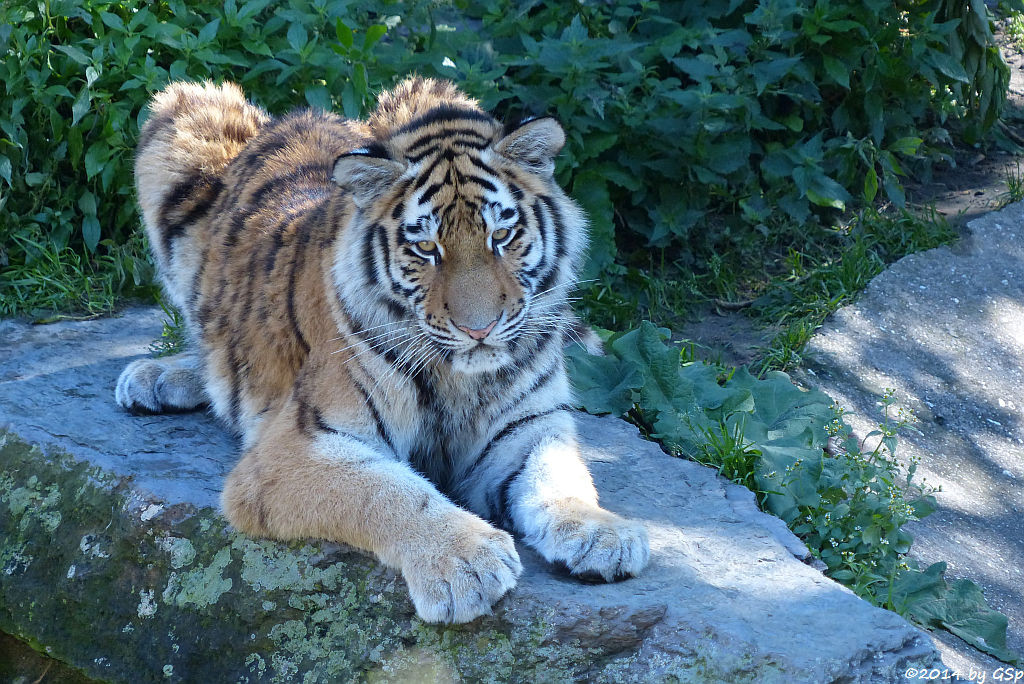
[[468, 236]]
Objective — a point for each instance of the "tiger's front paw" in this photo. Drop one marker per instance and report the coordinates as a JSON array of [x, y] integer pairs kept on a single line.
[[594, 544], [461, 574], [161, 385]]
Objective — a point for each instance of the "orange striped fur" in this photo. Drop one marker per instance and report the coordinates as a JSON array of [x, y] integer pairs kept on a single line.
[[378, 309]]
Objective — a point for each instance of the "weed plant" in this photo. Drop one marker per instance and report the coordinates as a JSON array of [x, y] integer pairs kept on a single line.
[[849, 499], [1014, 185], [173, 336], [694, 128]]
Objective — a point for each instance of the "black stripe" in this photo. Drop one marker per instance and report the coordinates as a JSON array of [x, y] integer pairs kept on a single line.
[[430, 192], [302, 175], [499, 504], [538, 216], [320, 423], [436, 141], [401, 187], [369, 263], [234, 405], [396, 287], [297, 261], [382, 429], [302, 416], [275, 246], [209, 186], [508, 430], [541, 380], [445, 113], [560, 241], [482, 182], [475, 161], [153, 125], [396, 212], [424, 176], [397, 311]]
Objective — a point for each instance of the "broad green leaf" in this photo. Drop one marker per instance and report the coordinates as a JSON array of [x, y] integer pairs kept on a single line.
[[318, 97], [894, 191], [772, 70], [344, 34], [251, 9], [91, 232], [75, 53], [591, 191], [5, 168], [907, 146], [947, 65], [696, 68], [960, 608], [87, 203], [373, 34], [81, 106], [209, 32], [870, 185], [784, 409], [297, 37], [824, 200], [658, 363], [836, 70], [715, 401], [602, 384], [968, 616], [95, 158], [113, 21]]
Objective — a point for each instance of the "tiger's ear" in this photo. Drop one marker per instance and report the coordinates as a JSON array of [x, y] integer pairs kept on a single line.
[[533, 145], [367, 174]]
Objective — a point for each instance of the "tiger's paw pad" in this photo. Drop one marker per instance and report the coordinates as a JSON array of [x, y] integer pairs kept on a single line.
[[462, 582], [595, 546], [160, 386]]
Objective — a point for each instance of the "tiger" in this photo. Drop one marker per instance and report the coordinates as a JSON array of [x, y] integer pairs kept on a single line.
[[378, 308]]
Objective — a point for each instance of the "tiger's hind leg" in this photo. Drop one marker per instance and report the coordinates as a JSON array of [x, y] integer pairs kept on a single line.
[[164, 385]]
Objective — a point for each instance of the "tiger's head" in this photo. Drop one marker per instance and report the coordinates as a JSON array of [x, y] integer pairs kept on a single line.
[[459, 229]]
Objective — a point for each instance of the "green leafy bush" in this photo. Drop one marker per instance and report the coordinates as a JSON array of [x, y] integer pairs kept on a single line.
[[847, 498], [693, 126], [76, 77]]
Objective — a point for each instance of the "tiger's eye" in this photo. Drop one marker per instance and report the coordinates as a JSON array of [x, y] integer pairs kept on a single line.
[[427, 245], [500, 234]]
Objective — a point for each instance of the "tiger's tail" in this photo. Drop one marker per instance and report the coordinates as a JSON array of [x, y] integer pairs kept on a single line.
[[193, 131]]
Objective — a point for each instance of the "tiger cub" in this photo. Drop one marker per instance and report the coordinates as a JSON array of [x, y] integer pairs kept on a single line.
[[379, 309]]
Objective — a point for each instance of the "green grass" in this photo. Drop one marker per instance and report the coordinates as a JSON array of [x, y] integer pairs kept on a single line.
[[1014, 184], [789, 281], [1014, 31], [817, 285], [173, 337], [63, 283]]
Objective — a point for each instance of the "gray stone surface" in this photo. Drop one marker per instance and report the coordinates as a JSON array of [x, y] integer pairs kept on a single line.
[[724, 598], [945, 329]]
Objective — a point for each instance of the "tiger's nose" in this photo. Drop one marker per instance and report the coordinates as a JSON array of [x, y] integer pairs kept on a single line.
[[478, 333]]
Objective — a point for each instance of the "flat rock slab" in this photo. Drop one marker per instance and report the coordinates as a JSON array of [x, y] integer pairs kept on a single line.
[[945, 329], [114, 558]]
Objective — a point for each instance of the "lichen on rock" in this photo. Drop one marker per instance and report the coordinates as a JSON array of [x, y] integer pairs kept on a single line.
[[115, 559]]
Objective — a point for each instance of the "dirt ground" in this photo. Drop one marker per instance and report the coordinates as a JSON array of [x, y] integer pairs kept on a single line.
[[976, 185]]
